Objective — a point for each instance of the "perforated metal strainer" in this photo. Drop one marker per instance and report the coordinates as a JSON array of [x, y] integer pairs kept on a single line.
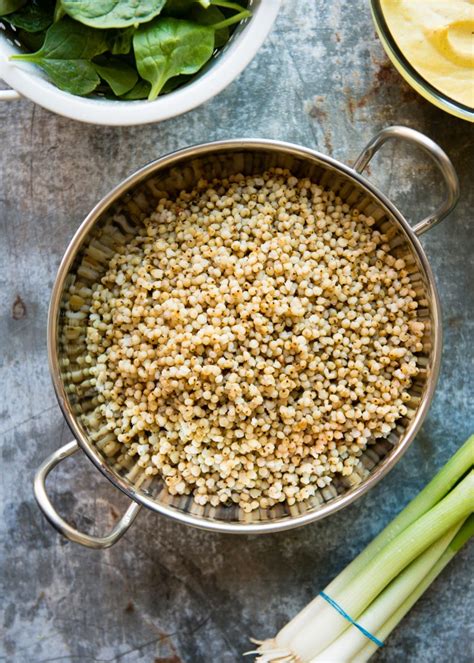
[[115, 220]]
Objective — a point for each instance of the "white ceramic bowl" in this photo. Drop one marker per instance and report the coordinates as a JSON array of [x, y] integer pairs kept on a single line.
[[28, 80]]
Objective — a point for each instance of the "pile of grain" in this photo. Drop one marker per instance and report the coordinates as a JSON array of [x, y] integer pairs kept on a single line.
[[252, 339]]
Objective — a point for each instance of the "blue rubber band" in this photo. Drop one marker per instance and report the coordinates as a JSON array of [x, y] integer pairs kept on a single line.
[[342, 612]]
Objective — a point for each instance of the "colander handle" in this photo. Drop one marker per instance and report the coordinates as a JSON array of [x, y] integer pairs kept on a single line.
[[439, 157], [59, 523], [9, 95]]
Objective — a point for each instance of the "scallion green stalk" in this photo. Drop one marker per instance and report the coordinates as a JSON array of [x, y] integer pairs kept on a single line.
[[380, 611], [319, 625], [385, 566], [462, 537], [438, 487], [434, 491]]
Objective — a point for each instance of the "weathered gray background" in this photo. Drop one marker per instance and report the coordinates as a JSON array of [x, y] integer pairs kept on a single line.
[[166, 593]]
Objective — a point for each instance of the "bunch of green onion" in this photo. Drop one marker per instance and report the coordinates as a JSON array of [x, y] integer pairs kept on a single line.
[[380, 586]]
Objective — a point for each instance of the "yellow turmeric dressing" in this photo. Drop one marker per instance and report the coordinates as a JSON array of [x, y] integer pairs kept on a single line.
[[437, 38]]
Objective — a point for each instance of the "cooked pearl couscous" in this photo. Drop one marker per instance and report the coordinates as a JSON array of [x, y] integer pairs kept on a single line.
[[252, 339]]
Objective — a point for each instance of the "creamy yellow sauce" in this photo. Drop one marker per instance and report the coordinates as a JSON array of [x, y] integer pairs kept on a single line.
[[437, 38]]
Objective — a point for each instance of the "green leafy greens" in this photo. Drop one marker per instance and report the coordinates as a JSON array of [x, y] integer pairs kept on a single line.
[[127, 49], [169, 47], [66, 56], [10, 6], [33, 17], [112, 13], [118, 74], [120, 41], [211, 16]]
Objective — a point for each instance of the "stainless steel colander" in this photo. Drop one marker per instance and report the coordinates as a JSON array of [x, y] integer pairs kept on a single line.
[[117, 218]]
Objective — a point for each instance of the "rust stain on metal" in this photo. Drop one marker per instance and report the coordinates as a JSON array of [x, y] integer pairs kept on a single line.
[[114, 513], [328, 142], [18, 309], [130, 607], [386, 76], [168, 659], [316, 110], [351, 105]]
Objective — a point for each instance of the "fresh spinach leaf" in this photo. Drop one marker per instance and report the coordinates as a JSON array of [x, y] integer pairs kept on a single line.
[[120, 41], [118, 74], [9, 6], [34, 17], [211, 16], [75, 76], [240, 15], [140, 91], [229, 5], [68, 40], [178, 8], [66, 53], [167, 47], [142, 88], [208, 12], [175, 82], [58, 11], [112, 13], [33, 41], [166, 51]]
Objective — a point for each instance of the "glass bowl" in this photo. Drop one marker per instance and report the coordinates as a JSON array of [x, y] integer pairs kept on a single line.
[[410, 74]]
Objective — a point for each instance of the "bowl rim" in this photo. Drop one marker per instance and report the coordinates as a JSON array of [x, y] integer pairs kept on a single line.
[[26, 80], [199, 521], [429, 91]]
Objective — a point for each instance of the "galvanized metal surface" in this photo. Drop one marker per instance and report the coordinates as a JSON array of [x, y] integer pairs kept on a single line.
[[166, 593]]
